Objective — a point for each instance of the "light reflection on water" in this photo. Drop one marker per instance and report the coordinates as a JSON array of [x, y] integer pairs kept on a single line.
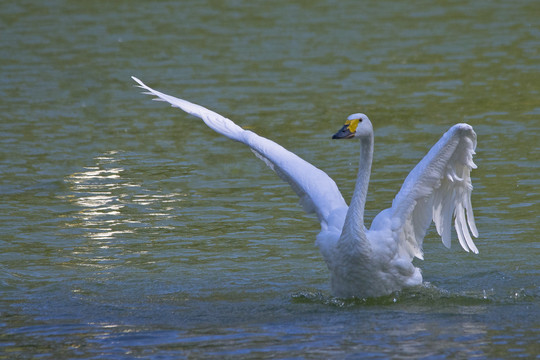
[[93, 192], [102, 193]]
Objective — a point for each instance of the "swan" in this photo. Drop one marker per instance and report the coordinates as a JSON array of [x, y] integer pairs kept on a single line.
[[370, 263]]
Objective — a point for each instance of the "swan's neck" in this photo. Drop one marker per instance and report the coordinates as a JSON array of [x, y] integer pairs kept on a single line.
[[354, 222]]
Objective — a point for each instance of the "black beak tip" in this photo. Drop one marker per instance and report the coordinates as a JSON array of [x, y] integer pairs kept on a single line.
[[343, 133]]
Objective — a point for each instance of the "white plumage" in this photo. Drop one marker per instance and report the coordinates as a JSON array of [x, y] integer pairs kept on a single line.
[[378, 261]]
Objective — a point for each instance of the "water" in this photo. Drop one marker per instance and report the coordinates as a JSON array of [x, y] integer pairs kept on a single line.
[[131, 230]]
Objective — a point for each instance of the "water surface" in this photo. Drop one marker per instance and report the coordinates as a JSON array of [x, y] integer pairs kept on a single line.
[[131, 230]]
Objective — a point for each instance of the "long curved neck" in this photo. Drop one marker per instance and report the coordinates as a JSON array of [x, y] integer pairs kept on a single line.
[[354, 221]]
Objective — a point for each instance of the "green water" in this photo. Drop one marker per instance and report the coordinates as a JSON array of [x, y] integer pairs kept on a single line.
[[130, 230]]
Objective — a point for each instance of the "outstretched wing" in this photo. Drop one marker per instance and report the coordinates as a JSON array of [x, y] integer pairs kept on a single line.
[[317, 191], [438, 188]]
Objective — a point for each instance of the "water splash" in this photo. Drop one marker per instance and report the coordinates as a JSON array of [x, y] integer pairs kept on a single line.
[[425, 294]]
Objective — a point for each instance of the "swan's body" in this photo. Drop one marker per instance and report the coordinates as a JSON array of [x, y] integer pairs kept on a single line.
[[378, 261]]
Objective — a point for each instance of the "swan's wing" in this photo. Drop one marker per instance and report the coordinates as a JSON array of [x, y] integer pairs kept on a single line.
[[438, 188], [317, 191]]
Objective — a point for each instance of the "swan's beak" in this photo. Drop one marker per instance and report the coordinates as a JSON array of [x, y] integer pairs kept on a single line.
[[344, 133]]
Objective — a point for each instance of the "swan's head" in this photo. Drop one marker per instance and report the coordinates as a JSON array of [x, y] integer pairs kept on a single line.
[[357, 125]]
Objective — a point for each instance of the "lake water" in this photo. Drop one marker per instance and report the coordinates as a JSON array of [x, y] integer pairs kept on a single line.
[[130, 230]]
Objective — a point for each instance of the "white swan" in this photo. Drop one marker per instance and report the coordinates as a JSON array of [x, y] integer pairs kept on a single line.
[[378, 261]]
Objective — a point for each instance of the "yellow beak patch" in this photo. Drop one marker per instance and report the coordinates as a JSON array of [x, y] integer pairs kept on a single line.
[[352, 125]]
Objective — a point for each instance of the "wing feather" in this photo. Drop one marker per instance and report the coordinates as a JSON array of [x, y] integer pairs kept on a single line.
[[439, 188], [317, 191]]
